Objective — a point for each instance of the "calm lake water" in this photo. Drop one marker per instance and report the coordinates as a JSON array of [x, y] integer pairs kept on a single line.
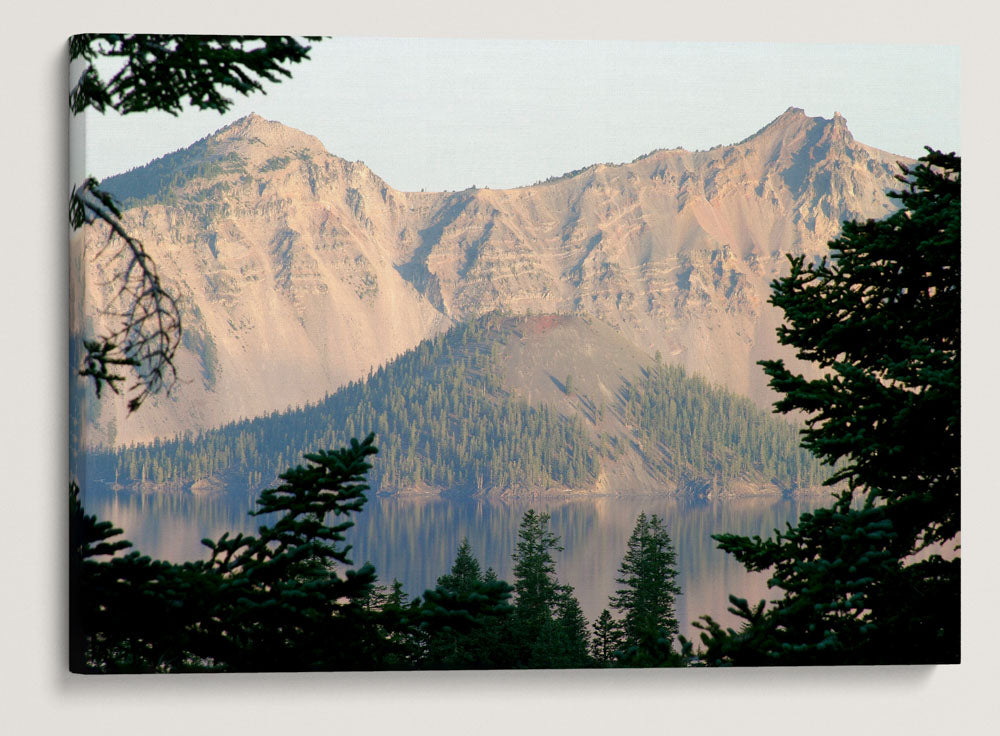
[[415, 539]]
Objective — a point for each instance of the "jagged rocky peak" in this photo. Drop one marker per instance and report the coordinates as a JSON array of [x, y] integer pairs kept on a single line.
[[791, 140], [790, 116], [794, 131]]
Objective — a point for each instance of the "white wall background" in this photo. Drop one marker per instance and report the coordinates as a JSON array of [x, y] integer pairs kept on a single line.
[[39, 696]]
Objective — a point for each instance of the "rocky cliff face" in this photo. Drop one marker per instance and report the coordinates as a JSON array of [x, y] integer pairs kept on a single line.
[[676, 250], [286, 271], [299, 271]]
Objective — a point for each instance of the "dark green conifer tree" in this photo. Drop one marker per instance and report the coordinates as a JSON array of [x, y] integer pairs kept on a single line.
[[646, 600], [389, 626], [284, 604], [534, 576], [464, 622], [465, 572], [274, 601], [571, 637], [864, 582], [129, 613], [548, 629], [608, 639]]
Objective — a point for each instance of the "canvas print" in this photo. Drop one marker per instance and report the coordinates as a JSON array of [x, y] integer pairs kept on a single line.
[[414, 354]]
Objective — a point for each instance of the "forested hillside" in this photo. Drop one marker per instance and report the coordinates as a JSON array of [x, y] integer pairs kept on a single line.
[[450, 417]]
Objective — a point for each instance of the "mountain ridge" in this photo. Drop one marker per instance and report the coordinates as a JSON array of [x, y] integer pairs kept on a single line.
[[291, 261]]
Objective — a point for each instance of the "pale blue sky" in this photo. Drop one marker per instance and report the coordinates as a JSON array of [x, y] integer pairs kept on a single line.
[[451, 113]]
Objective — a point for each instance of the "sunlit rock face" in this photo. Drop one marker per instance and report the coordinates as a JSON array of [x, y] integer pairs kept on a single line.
[[299, 271]]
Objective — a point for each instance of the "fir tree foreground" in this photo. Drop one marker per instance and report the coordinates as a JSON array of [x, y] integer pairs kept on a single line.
[[288, 599], [865, 581], [646, 599], [270, 602]]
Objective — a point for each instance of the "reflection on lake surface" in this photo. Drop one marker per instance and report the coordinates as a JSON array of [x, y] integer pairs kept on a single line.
[[415, 539]]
